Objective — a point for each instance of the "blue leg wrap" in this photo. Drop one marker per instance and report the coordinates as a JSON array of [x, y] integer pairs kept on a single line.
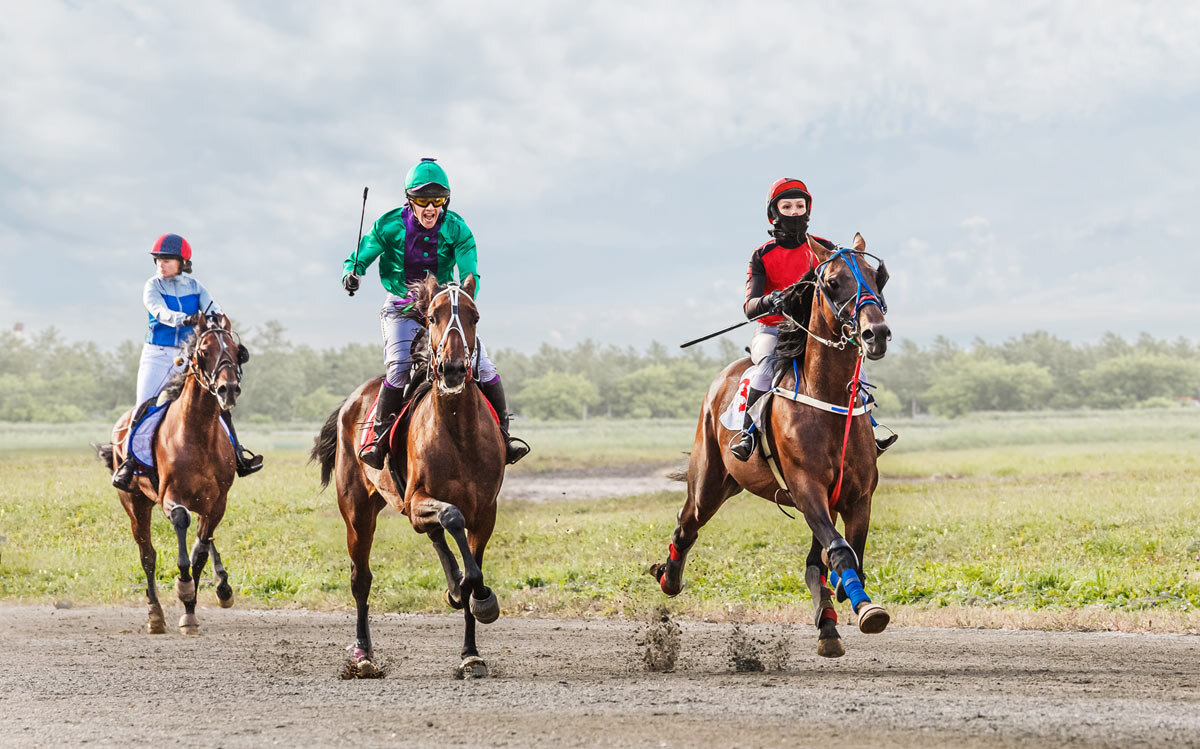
[[854, 589]]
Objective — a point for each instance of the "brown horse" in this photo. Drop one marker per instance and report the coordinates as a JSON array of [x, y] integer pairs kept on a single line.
[[453, 468], [195, 466], [839, 305]]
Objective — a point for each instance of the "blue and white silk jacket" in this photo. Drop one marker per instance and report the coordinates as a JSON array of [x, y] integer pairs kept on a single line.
[[168, 301]]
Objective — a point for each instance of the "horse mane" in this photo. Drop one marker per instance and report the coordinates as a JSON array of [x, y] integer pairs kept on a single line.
[[175, 385], [793, 340]]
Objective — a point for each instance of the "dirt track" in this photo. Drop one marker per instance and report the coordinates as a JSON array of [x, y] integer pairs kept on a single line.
[[257, 677]]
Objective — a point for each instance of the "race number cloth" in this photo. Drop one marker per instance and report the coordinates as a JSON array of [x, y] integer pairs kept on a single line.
[[141, 442]]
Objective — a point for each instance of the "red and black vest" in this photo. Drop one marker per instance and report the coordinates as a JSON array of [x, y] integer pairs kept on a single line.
[[772, 268]]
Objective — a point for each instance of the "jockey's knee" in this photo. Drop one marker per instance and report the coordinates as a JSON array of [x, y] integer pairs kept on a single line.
[[397, 373]]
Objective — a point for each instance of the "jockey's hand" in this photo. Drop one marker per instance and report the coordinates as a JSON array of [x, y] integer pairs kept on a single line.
[[192, 320], [774, 301], [350, 283]]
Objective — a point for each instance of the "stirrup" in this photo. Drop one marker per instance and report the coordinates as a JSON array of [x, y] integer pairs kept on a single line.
[[124, 476], [247, 462], [744, 448], [513, 451]]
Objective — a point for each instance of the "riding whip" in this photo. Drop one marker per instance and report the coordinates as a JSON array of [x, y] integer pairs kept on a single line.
[[360, 228], [722, 330]]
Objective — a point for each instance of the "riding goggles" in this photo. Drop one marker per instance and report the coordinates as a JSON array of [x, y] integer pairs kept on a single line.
[[422, 202]]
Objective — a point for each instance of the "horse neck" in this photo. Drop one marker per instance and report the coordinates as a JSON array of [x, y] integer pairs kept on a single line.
[[198, 408], [455, 411], [827, 370]]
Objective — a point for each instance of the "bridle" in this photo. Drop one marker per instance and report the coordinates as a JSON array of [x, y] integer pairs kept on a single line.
[[844, 313], [225, 359], [455, 325]]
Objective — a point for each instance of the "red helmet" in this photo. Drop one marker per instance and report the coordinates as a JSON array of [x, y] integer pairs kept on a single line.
[[790, 185], [172, 245]]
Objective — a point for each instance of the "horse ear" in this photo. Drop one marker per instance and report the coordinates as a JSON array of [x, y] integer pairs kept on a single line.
[[881, 276], [428, 291], [470, 285], [859, 244]]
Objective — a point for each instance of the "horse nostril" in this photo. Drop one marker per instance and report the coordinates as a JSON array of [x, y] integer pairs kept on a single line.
[[868, 335], [221, 389], [237, 389]]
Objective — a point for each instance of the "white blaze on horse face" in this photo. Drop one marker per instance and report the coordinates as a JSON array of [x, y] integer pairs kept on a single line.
[[792, 206]]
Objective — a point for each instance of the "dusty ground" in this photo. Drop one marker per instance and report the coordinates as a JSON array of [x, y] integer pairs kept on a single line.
[[264, 677]]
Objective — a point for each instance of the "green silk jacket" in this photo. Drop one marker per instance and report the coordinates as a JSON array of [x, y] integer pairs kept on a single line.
[[385, 241]]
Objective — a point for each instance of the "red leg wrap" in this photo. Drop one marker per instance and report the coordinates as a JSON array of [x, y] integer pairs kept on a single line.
[[829, 614], [673, 553]]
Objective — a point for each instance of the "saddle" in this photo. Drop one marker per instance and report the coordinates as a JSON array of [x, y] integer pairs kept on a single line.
[[142, 435]]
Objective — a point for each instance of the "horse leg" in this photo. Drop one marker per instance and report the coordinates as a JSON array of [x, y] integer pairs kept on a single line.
[[829, 642], [185, 586], [428, 514], [709, 485], [837, 554], [140, 510], [360, 511], [449, 566], [224, 591], [872, 618]]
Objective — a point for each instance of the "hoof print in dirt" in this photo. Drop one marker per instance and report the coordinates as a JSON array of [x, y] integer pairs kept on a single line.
[[661, 640], [471, 668]]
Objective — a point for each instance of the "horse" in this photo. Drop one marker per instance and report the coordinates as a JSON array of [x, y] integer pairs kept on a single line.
[[195, 466], [452, 467], [824, 459]]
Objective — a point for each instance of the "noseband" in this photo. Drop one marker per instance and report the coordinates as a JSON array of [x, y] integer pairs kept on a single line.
[[435, 358], [225, 360]]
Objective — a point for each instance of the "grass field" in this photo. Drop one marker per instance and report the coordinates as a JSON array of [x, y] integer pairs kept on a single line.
[[1087, 520]]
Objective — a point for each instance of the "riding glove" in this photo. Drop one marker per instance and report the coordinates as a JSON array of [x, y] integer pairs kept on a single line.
[[350, 283]]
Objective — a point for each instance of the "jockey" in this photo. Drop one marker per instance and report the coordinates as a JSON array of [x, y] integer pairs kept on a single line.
[[175, 304], [774, 267], [423, 237]]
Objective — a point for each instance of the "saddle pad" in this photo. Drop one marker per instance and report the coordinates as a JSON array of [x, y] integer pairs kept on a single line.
[[734, 416], [145, 433]]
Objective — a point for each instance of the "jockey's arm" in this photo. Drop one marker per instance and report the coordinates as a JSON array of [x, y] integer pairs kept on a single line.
[[370, 248], [756, 303], [465, 258], [208, 305]]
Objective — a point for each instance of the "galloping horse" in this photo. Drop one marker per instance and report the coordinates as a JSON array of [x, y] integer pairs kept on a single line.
[[825, 458], [453, 468], [195, 466]]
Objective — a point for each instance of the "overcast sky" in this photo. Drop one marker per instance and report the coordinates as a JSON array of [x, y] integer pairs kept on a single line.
[[1020, 166]]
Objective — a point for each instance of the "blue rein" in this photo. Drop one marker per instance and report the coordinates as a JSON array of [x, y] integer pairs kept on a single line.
[[861, 299]]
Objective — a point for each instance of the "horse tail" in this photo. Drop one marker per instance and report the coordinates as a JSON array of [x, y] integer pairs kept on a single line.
[[104, 453], [324, 448], [680, 474]]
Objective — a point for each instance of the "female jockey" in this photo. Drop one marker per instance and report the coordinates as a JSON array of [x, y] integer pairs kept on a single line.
[[420, 238], [175, 304], [774, 267]]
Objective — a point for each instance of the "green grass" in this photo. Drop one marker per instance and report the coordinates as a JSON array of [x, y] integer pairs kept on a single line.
[[1066, 518]]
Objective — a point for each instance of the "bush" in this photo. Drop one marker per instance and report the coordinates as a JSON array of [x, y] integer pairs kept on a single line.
[[968, 384]]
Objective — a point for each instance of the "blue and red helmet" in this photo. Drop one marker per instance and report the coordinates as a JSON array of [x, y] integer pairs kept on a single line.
[[173, 246]]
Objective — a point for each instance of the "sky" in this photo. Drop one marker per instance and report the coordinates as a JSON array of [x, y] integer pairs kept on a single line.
[[1019, 166]]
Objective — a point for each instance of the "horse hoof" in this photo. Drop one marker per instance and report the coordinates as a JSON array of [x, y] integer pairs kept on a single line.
[[473, 667], [225, 595], [831, 647], [188, 624], [156, 623], [451, 601], [365, 669], [659, 573], [485, 610], [872, 619], [185, 591]]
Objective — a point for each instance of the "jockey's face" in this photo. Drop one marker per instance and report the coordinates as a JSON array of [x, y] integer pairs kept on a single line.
[[167, 266], [792, 206], [427, 215]]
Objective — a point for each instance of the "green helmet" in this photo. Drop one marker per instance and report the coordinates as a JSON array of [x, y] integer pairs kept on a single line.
[[427, 180]]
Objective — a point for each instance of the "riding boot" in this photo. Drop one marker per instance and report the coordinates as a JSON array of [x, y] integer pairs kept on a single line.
[[883, 443], [390, 401], [744, 447], [247, 462], [514, 447], [123, 477]]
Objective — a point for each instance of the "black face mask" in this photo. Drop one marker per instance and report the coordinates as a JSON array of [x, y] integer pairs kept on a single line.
[[790, 231]]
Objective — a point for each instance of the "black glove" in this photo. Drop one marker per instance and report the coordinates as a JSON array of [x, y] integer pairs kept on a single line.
[[350, 283], [193, 319], [774, 301]]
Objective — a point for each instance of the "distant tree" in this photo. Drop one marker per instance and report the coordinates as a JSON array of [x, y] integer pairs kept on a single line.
[[1133, 378], [970, 384], [556, 395]]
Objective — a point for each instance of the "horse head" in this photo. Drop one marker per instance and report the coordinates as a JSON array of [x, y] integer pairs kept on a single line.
[[217, 358], [451, 317], [851, 295]]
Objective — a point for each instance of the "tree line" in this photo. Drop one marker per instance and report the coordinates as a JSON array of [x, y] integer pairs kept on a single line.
[[45, 378]]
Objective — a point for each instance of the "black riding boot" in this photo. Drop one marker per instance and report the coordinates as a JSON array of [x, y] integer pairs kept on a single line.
[[883, 443], [123, 477], [247, 462], [390, 401], [744, 447], [514, 448]]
